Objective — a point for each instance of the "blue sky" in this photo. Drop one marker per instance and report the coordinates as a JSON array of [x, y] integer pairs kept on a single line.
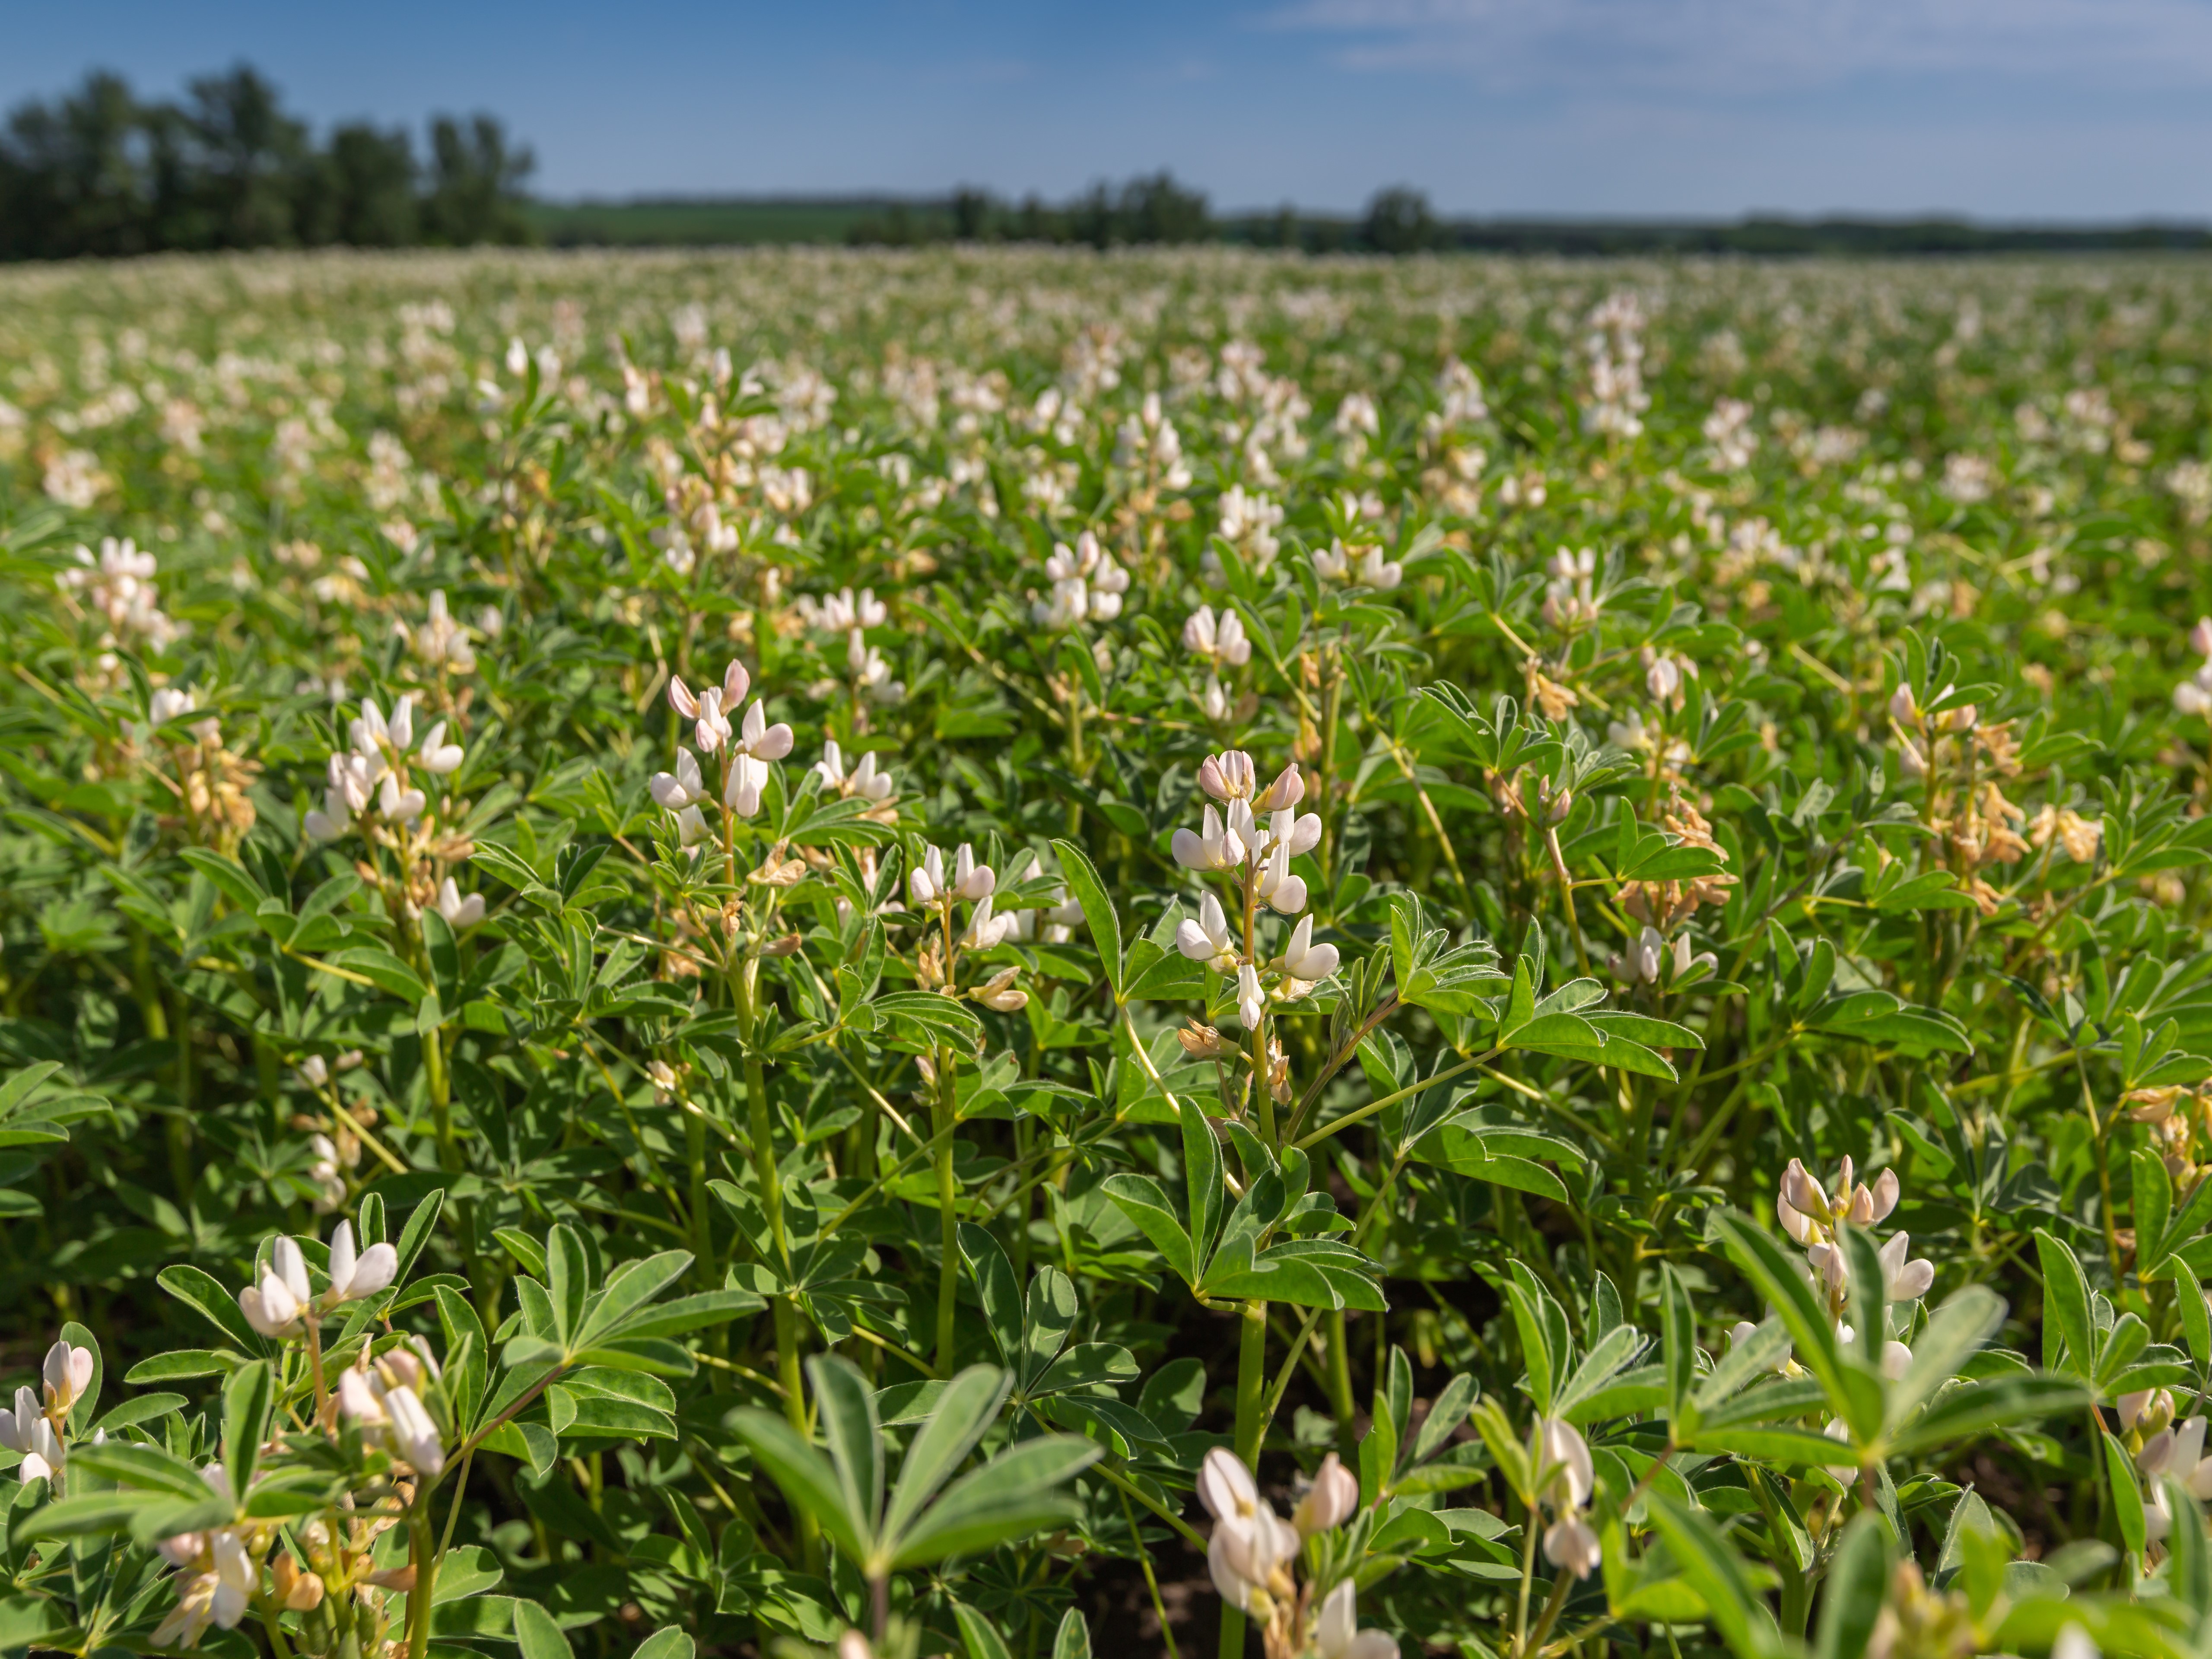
[[2001, 108]]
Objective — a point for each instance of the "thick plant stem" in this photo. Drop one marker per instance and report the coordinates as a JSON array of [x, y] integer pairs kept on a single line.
[[422, 1555], [760, 1126], [1251, 1426], [702, 1232], [1340, 1388], [948, 1271], [441, 1099]]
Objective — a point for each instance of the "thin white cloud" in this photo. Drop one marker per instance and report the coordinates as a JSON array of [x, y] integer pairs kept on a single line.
[[1750, 47]]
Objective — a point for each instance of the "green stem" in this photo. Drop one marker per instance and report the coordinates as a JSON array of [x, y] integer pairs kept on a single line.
[[702, 1232], [760, 1122], [1251, 1427], [948, 1213], [1340, 1402], [424, 1559], [441, 1098]]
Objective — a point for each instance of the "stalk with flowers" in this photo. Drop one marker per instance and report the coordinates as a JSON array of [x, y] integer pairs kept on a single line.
[[1053, 952]]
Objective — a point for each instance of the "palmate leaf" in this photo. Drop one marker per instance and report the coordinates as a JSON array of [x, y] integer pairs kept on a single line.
[[1015, 1494], [1973, 1409]]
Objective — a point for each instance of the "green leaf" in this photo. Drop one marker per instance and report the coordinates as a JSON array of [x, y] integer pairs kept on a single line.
[[978, 1635], [1097, 909], [247, 1398], [1677, 1324], [1783, 1281], [967, 1408], [1974, 1409], [1857, 1585], [806, 1478], [1010, 1497], [199, 1290], [847, 1407], [383, 969], [2066, 1301], [1144, 1201], [1714, 1571], [1954, 1332], [2126, 1496], [539, 1634], [568, 1281], [1073, 1639], [673, 1643]]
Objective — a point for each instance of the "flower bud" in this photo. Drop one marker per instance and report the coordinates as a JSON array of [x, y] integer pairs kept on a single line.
[[1333, 1500]]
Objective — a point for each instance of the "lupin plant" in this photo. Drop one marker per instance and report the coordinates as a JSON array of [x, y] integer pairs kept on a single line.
[[1059, 956]]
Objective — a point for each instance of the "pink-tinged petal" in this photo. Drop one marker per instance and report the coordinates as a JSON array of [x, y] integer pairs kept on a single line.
[[681, 700]]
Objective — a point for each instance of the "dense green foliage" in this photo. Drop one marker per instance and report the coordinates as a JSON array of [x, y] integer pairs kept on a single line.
[[712, 952], [101, 171]]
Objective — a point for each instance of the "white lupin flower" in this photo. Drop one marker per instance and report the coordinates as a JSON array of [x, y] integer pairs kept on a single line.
[[168, 704], [1332, 563], [368, 729], [1288, 789], [760, 740], [1250, 1543], [1213, 701], [1210, 847], [1000, 993], [924, 883], [1333, 1500], [972, 880], [400, 806], [1282, 890], [1908, 1280], [354, 1276], [1377, 572], [219, 1593], [1207, 939], [1228, 776], [414, 1432], [2178, 1450], [1220, 642], [1289, 831], [1302, 959], [65, 1375], [1564, 1479], [1250, 1003], [437, 757], [1572, 1546], [1337, 1634], [710, 707], [274, 1305], [985, 929], [458, 912], [1225, 1487], [2145, 1410], [27, 1429], [863, 780], [1565, 1476], [748, 777], [682, 787]]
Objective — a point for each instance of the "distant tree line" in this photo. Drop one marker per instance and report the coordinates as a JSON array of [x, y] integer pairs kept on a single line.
[[102, 171]]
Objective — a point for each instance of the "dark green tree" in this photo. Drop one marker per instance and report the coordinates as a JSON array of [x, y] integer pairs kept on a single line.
[[253, 159], [72, 178], [364, 193], [1399, 220], [476, 183]]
